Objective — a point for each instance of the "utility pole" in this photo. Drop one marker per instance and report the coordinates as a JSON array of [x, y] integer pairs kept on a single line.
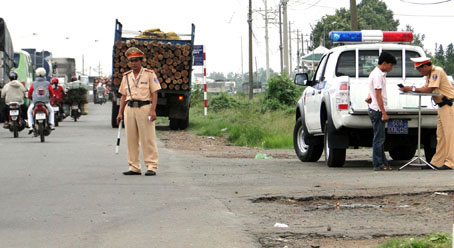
[[266, 43], [242, 69], [285, 29], [290, 48], [354, 16], [280, 38], [298, 50], [251, 75]]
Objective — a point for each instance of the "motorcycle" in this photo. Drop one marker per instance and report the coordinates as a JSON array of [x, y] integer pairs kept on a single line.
[[101, 98], [16, 122], [58, 112], [75, 111], [41, 127]]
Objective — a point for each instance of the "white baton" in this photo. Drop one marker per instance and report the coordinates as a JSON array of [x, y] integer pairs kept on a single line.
[[118, 138]]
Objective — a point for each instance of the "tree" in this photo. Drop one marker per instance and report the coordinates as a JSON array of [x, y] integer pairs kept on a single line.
[[372, 14], [449, 55]]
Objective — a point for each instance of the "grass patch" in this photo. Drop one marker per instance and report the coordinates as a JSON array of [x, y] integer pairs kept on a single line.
[[246, 124], [435, 240]]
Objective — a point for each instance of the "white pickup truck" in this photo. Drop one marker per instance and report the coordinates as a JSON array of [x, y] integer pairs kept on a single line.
[[332, 114]]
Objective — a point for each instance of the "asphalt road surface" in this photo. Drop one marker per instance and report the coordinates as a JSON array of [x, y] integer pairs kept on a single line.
[[69, 192]]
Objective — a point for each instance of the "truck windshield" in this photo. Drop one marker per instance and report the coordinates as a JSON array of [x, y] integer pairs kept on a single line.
[[368, 60]]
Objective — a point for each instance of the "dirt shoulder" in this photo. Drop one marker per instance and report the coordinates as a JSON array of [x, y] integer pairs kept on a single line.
[[216, 147]]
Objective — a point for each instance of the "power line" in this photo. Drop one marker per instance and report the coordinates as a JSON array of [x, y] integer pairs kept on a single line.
[[440, 2], [448, 16]]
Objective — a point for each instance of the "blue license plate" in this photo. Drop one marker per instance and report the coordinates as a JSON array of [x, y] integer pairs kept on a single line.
[[397, 126]]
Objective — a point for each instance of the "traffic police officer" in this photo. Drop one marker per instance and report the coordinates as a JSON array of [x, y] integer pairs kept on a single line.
[[139, 88], [438, 82]]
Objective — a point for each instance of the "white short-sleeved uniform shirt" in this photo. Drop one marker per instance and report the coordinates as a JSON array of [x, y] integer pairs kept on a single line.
[[377, 80]]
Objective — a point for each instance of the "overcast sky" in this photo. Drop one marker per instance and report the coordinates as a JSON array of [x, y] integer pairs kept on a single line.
[[76, 28]]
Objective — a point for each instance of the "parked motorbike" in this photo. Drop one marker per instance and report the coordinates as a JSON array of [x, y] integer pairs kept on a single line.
[[75, 111], [41, 127], [16, 122]]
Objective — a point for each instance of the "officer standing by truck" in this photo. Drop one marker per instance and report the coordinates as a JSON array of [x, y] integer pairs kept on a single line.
[[437, 82], [139, 89]]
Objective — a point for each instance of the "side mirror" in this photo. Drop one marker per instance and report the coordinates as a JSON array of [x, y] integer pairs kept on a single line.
[[302, 79]]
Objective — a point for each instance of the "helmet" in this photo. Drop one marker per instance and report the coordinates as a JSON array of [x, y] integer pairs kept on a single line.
[[13, 75], [40, 72], [54, 80], [73, 78]]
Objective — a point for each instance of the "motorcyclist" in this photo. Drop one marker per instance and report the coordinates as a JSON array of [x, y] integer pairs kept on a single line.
[[58, 90], [13, 91], [40, 91]]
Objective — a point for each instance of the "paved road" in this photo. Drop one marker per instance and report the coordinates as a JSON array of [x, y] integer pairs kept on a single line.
[[69, 192]]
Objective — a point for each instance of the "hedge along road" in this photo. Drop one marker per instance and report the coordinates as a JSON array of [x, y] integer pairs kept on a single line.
[[70, 189]]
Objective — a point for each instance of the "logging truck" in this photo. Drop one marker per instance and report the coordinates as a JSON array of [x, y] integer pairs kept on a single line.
[[170, 56]]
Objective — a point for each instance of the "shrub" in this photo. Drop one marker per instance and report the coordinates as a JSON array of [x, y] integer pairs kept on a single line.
[[222, 101], [281, 92]]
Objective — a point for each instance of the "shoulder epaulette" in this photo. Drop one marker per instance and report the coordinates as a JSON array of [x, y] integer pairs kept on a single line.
[[126, 73], [149, 70]]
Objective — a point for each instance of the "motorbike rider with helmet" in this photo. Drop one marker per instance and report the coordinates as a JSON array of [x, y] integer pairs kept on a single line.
[[58, 90], [40, 91], [13, 91]]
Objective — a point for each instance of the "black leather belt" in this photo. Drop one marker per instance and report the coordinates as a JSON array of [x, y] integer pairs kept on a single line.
[[446, 102], [137, 103]]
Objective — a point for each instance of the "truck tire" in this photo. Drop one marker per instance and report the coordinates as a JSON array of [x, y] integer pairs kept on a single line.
[[333, 157], [305, 152], [183, 123], [173, 123], [115, 110], [403, 152]]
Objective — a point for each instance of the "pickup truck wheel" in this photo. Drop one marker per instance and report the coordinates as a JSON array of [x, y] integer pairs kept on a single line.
[[402, 152], [334, 157], [305, 152]]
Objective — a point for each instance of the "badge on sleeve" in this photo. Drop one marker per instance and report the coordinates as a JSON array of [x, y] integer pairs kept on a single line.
[[156, 80], [434, 77]]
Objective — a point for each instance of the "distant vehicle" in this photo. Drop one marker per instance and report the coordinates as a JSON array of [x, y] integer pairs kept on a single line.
[[24, 68], [41, 59], [63, 68], [6, 61], [332, 114]]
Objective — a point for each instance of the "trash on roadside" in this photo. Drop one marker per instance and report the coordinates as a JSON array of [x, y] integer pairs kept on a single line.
[[281, 225], [262, 156], [211, 138], [224, 129], [440, 193]]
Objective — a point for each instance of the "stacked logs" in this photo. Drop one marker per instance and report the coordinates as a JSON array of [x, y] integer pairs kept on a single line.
[[171, 63]]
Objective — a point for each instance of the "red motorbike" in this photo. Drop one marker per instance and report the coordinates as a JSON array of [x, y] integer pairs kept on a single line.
[[16, 122], [41, 127]]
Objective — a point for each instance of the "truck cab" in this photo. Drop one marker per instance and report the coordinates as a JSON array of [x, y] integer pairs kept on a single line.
[[332, 114]]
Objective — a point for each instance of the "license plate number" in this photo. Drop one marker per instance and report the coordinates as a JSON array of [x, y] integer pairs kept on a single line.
[[56, 108], [14, 112], [40, 116], [397, 126], [75, 107]]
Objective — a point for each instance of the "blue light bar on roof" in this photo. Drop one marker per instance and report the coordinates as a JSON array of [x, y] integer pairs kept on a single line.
[[341, 36]]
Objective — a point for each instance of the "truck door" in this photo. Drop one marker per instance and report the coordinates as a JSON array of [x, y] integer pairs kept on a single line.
[[314, 97]]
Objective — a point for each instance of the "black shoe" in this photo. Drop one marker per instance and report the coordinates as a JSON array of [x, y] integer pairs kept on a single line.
[[445, 167], [131, 173], [426, 167], [150, 173]]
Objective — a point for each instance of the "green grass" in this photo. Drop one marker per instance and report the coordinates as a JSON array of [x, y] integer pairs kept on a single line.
[[436, 240], [246, 125]]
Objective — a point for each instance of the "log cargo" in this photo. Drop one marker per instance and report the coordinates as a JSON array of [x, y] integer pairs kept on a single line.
[[169, 62]]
